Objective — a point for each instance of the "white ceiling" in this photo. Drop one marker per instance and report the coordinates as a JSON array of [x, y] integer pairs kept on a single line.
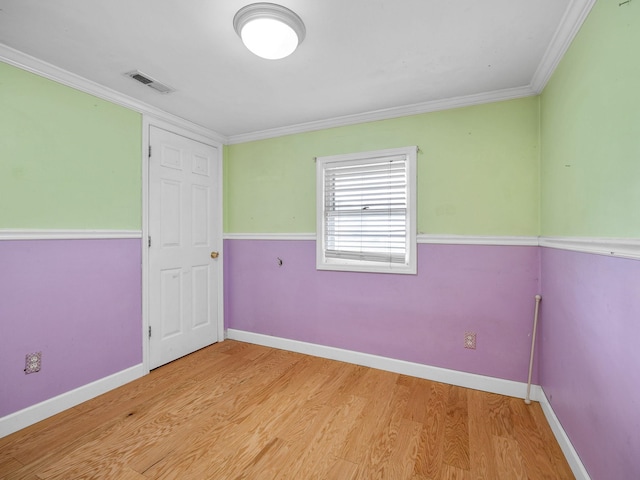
[[388, 57]]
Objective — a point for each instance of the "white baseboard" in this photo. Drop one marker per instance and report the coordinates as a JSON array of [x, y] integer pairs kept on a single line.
[[577, 467], [30, 415], [437, 374]]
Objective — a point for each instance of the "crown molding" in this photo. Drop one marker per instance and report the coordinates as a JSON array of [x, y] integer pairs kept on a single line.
[[31, 64], [41, 234], [574, 16], [572, 20], [385, 114]]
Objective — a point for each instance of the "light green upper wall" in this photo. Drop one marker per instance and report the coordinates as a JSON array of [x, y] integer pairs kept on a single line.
[[477, 171], [68, 160], [590, 130]]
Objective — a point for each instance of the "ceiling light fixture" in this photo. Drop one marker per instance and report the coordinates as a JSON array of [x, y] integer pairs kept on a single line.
[[269, 30]]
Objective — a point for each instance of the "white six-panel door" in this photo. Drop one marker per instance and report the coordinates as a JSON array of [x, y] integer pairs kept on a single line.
[[182, 273]]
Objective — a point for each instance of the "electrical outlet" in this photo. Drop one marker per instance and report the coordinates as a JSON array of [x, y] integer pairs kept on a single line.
[[470, 340], [33, 362]]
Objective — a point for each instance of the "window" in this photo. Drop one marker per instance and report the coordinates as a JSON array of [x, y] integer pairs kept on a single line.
[[366, 214]]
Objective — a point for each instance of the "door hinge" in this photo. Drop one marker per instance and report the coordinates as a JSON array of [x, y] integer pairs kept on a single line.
[[149, 331], [149, 240], [149, 151]]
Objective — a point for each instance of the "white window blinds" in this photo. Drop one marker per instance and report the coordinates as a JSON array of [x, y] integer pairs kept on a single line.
[[366, 207]]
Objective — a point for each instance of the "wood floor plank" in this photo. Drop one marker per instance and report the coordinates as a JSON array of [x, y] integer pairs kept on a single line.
[[241, 411], [248, 439], [417, 407], [320, 454], [294, 428], [482, 457], [454, 473], [300, 445], [267, 464], [342, 470], [551, 451], [378, 459], [430, 459], [537, 462], [127, 474], [355, 373], [339, 379], [456, 436], [9, 465], [21, 476], [499, 415], [202, 443], [378, 387], [509, 461], [404, 455]]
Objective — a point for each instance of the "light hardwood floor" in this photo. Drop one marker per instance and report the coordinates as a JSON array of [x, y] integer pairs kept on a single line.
[[242, 411]]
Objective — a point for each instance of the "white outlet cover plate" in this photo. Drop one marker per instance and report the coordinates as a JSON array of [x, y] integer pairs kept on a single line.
[[33, 362], [470, 340]]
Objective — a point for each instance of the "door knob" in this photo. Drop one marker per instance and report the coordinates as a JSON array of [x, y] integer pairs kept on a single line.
[[215, 254]]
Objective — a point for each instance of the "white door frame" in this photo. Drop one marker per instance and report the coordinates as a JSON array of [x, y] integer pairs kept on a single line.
[[147, 122]]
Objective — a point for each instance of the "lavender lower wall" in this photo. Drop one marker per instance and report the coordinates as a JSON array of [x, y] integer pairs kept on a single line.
[[418, 318], [590, 357], [76, 301], [79, 302]]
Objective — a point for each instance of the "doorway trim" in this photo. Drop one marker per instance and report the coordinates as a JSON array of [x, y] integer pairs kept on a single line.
[[196, 134]]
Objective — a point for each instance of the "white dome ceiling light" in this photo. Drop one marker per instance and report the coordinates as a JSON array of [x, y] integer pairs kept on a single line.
[[269, 30]]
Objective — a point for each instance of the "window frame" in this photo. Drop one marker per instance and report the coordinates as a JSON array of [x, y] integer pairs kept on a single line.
[[340, 264]]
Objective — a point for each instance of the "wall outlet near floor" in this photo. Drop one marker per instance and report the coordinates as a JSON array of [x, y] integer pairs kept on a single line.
[[470, 340], [33, 362]]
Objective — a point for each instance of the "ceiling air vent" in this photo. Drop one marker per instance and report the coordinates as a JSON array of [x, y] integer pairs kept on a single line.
[[149, 82]]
